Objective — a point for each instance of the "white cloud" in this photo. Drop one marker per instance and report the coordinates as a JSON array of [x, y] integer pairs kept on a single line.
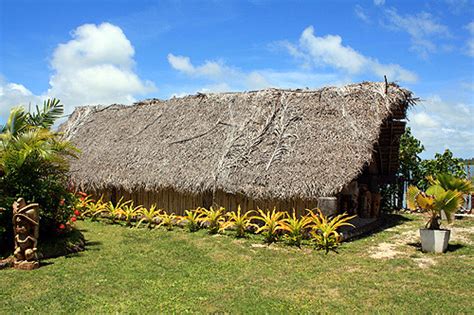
[[181, 63], [216, 70], [440, 125], [423, 120], [95, 67], [457, 6], [343, 62], [379, 2], [226, 78], [12, 94], [328, 51], [361, 14], [470, 41], [422, 28]]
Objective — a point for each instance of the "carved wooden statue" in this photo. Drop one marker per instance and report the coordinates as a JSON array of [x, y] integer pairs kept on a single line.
[[365, 204], [26, 229]]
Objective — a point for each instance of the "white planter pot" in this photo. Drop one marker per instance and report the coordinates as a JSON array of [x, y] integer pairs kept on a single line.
[[434, 241]]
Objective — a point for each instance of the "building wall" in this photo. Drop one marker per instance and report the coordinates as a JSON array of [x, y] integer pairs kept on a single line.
[[173, 201]]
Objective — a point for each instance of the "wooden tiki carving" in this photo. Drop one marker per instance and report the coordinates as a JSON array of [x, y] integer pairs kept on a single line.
[[26, 230]]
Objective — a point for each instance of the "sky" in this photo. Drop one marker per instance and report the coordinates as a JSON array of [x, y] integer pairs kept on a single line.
[[103, 52]]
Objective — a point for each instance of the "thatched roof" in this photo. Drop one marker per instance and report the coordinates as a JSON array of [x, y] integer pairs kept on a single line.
[[265, 144]]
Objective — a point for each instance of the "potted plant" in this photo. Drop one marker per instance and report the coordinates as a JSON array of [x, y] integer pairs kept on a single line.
[[450, 182], [434, 201]]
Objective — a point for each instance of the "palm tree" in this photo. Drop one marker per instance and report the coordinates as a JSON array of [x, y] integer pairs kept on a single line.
[[27, 141], [34, 162], [19, 119], [450, 182], [433, 201]]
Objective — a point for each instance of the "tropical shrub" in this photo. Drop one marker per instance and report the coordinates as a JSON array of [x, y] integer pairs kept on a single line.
[[82, 204], [116, 211], [433, 201], [149, 215], [241, 222], [272, 224], [295, 228], [130, 212], [168, 220], [213, 218], [34, 165], [444, 163], [96, 209], [324, 233], [192, 220], [450, 182]]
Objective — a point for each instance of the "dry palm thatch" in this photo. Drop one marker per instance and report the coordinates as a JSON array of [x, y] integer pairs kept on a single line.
[[271, 143]]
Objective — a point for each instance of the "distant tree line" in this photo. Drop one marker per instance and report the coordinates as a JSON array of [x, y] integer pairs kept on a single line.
[[468, 161]]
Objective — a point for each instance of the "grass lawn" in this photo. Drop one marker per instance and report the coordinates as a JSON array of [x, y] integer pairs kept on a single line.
[[139, 271]]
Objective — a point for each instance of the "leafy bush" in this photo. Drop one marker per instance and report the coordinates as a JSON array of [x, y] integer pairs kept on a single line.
[[82, 204], [295, 228], [168, 220], [272, 224], [130, 212], [322, 230], [192, 220], [324, 233], [95, 209], [149, 215], [214, 218], [433, 201], [240, 222], [450, 182], [115, 211], [34, 164]]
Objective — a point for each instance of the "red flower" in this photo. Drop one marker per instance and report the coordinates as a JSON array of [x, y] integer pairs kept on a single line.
[[77, 213], [62, 226], [61, 202], [73, 219]]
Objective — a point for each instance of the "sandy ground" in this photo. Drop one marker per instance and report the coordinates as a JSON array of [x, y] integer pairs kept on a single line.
[[405, 243]]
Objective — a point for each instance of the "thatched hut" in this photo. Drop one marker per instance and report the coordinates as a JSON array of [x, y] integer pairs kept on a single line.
[[270, 148]]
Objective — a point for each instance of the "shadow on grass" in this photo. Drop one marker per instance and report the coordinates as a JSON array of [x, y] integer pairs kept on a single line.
[[92, 245], [455, 247], [44, 263], [451, 247], [386, 221], [63, 245]]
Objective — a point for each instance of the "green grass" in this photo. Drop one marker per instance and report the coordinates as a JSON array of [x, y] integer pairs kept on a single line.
[[140, 271]]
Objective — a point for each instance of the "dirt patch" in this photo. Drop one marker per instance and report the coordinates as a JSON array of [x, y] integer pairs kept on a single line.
[[391, 250], [259, 245], [401, 245], [425, 262], [462, 235], [384, 251]]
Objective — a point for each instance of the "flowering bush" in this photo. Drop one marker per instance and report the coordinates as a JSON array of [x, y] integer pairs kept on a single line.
[[33, 165]]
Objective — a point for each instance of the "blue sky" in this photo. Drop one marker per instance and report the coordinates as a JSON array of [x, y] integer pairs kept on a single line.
[[100, 52]]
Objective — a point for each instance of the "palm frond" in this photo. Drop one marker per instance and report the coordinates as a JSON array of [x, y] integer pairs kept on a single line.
[[46, 117], [412, 192]]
